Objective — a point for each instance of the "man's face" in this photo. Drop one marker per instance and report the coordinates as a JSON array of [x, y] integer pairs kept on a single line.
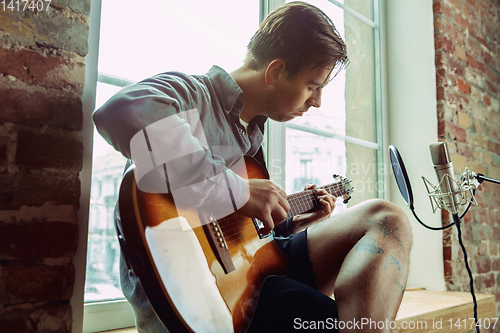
[[292, 98]]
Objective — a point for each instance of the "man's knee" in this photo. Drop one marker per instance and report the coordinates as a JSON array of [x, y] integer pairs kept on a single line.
[[389, 217]]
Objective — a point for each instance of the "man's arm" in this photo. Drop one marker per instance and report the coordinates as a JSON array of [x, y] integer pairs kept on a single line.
[[174, 137], [148, 125]]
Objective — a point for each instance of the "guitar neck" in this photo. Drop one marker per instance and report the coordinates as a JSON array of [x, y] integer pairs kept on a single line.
[[304, 201]]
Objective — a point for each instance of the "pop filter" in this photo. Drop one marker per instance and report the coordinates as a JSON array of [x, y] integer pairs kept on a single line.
[[398, 167]]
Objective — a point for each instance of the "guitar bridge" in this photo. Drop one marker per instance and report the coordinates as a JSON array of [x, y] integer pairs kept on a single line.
[[218, 243]]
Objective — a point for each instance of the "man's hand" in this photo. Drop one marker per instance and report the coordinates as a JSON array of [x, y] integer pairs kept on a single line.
[[327, 201], [267, 203]]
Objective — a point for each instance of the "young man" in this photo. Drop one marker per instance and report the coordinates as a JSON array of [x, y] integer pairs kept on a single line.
[[359, 257]]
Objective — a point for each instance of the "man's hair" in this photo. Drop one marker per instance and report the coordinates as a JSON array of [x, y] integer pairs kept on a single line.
[[301, 35]]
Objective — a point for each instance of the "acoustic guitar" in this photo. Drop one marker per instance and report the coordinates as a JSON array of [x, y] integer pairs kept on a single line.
[[199, 273]]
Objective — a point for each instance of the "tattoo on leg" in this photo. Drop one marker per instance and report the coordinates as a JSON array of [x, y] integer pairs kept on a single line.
[[391, 260], [368, 244], [382, 225]]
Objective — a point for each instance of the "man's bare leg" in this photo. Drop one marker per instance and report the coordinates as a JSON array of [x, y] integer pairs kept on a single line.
[[361, 256]]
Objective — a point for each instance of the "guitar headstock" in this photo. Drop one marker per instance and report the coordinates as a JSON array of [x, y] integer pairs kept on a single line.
[[346, 183]]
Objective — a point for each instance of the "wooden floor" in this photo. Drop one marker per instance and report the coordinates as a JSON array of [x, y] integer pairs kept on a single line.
[[431, 311]]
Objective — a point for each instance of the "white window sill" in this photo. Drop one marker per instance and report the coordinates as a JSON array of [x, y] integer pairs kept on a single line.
[[110, 315], [122, 330]]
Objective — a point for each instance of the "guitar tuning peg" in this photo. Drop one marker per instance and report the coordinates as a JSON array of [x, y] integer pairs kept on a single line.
[[346, 199]]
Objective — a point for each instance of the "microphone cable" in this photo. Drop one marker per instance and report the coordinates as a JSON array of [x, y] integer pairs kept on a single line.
[[412, 208], [456, 219]]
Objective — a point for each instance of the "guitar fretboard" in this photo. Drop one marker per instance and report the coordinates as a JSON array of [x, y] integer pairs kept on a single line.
[[301, 202]]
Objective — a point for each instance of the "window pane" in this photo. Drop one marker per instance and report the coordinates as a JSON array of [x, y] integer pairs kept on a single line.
[[137, 40], [364, 7], [141, 39], [360, 80], [362, 169], [360, 106]]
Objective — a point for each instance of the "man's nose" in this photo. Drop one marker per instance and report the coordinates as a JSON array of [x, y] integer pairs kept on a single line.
[[315, 99]]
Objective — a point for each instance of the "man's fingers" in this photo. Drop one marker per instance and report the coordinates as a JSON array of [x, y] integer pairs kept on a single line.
[[328, 205], [326, 200], [309, 187], [281, 192], [279, 214], [284, 204], [267, 202], [274, 216], [268, 224]]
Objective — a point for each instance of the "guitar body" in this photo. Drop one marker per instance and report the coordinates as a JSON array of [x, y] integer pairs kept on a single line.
[[200, 274]]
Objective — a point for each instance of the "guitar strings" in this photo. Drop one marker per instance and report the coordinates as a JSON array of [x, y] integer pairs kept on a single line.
[[306, 200], [296, 198], [303, 201], [230, 239]]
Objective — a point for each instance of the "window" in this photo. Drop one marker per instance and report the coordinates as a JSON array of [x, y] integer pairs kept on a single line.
[[137, 41]]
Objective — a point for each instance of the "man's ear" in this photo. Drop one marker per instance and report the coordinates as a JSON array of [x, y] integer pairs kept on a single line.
[[275, 71]]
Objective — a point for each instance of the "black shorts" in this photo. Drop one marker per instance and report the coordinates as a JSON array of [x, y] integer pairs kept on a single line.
[[293, 303]]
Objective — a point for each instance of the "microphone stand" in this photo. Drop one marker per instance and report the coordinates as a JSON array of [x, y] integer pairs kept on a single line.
[[456, 221], [480, 177], [404, 187], [403, 183]]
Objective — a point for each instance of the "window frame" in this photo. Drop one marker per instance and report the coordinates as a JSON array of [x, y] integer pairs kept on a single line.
[[98, 316], [117, 313], [107, 314]]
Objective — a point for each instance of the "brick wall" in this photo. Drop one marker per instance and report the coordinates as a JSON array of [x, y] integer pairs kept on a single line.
[[42, 75], [467, 42]]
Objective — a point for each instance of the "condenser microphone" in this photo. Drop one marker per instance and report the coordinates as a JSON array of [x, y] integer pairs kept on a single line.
[[444, 170]]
